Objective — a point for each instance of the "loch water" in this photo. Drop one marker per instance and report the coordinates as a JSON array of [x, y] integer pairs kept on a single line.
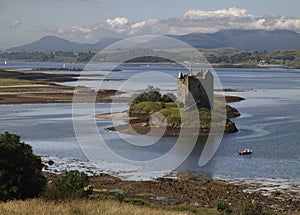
[[269, 124]]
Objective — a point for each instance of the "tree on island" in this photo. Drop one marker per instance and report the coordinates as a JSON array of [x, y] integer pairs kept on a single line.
[[152, 94], [20, 169]]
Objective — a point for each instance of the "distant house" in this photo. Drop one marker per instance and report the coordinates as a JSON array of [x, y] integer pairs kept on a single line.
[[196, 89]]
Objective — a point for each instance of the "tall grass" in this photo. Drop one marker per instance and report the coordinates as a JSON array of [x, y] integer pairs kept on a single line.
[[78, 207]]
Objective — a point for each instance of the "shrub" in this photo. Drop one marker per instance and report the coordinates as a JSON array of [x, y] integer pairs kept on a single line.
[[74, 184], [169, 97], [223, 206], [152, 94], [20, 169]]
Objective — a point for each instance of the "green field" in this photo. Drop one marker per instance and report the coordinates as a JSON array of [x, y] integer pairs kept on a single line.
[[15, 81]]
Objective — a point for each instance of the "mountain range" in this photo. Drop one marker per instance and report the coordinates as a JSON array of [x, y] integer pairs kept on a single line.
[[248, 40]]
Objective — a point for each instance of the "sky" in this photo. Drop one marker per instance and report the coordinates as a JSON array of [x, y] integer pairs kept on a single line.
[[87, 21]]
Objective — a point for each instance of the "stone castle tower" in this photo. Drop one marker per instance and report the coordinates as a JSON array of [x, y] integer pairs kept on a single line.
[[200, 86]]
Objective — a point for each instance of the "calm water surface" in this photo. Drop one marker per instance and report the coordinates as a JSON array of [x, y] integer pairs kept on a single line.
[[269, 125]]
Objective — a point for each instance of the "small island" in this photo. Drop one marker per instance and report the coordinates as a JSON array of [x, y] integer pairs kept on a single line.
[[140, 116], [151, 111]]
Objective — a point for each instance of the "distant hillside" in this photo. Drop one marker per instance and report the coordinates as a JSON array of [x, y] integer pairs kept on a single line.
[[51, 43], [258, 40], [103, 43], [248, 40], [200, 40]]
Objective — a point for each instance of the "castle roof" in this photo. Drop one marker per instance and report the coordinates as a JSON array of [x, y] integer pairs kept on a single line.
[[200, 75], [180, 75]]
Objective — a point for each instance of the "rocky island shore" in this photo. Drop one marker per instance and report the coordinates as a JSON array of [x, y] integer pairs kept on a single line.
[[138, 122]]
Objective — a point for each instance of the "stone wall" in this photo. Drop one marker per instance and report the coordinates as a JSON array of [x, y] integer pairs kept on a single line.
[[197, 89]]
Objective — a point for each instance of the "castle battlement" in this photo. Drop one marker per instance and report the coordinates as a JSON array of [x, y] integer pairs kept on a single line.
[[196, 88]]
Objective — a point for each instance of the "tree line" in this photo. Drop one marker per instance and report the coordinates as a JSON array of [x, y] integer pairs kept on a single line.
[[282, 57]]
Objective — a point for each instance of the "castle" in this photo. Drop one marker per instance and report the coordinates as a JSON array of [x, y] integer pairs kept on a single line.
[[200, 86]]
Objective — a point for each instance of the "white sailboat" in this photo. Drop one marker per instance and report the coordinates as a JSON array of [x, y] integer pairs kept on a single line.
[[5, 62]]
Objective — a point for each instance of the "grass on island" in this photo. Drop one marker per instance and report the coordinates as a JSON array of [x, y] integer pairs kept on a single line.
[[91, 207], [152, 107], [172, 114]]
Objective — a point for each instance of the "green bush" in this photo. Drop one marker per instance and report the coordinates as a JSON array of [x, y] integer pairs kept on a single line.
[[169, 97], [20, 169], [152, 94], [223, 206], [74, 184]]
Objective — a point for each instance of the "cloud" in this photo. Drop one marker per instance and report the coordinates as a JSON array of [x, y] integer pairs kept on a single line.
[[117, 21], [76, 33], [119, 24], [231, 12], [138, 25], [193, 21], [10, 24], [287, 24]]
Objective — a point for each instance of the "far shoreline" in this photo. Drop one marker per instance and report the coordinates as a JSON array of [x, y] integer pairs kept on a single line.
[[221, 65]]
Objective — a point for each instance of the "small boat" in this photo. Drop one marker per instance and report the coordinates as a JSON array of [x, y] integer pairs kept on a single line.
[[245, 152], [5, 62]]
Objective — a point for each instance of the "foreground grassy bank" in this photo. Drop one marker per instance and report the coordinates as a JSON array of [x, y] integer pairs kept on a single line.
[[192, 195], [186, 193], [78, 207]]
